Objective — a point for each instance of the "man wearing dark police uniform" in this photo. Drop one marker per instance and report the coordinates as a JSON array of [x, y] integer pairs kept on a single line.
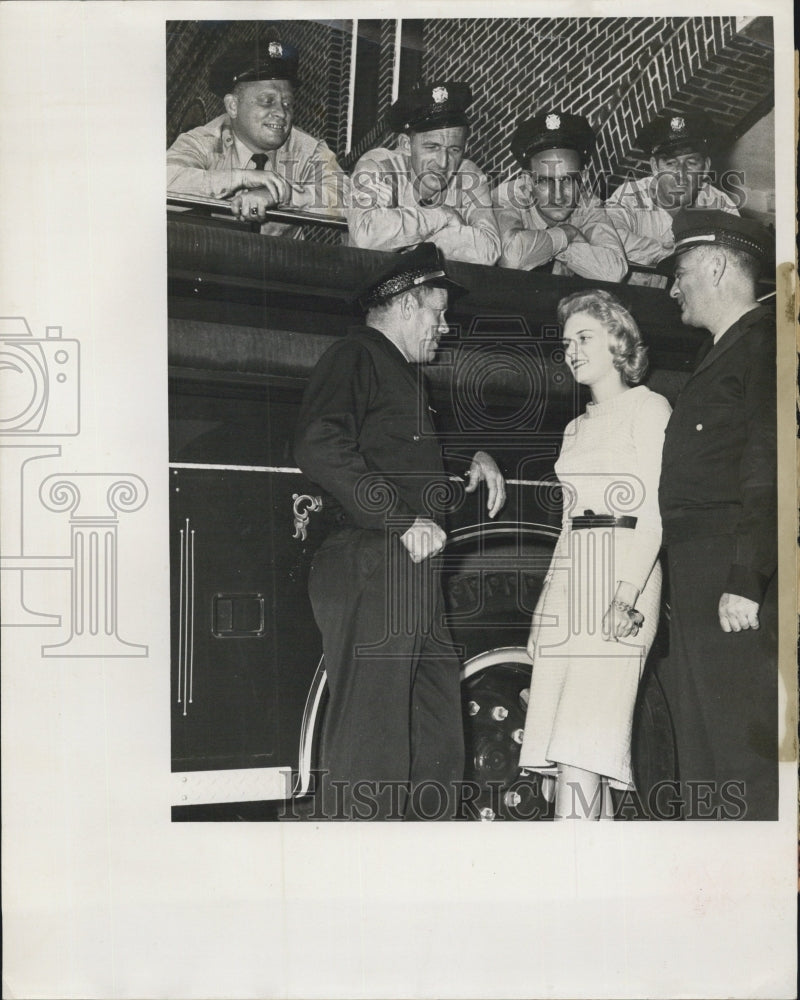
[[546, 214], [365, 437], [680, 148], [253, 154], [718, 498], [425, 188]]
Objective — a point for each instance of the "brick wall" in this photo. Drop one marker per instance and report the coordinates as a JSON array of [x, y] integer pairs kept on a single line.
[[718, 70], [388, 31], [189, 54], [619, 72], [338, 89], [379, 134]]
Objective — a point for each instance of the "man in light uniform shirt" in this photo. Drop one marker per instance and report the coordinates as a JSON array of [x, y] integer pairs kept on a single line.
[[253, 154], [546, 214], [425, 189], [679, 148]]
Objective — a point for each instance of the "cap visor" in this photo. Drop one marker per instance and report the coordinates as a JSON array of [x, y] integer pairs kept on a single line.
[[454, 289], [682, 147], [447, 119], [667, 265]]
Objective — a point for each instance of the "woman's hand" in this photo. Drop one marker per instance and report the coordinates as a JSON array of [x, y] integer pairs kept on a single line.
[[622, 620]]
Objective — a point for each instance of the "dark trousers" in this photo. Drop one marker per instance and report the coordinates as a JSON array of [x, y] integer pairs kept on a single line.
[[393, 745], [722, 689]]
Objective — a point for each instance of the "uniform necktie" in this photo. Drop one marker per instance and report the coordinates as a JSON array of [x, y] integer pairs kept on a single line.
[[260, 160]]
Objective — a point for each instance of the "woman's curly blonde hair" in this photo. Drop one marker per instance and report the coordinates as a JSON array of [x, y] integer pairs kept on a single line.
[[627, 349]]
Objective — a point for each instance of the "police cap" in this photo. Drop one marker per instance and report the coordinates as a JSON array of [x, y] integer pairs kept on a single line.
[[694, 227], [679, 132], [440, 104], [256, 60], [551, 130], [422, 265]]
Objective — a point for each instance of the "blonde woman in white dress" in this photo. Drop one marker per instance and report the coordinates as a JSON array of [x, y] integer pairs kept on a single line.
[[598, 611]]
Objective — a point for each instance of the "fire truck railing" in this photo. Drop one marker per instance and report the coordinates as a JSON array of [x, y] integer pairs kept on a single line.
[[218, 208]]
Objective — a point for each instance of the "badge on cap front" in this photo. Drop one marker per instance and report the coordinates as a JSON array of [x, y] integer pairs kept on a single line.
[[439, 95], [552, 122], [677, 124], [275, 50]]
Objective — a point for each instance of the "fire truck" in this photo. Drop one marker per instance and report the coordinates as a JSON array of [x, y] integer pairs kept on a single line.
[[249, 315]]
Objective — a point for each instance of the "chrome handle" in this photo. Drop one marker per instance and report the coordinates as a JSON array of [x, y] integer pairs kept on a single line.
[[191, 620], [186, 619], [181, 624]]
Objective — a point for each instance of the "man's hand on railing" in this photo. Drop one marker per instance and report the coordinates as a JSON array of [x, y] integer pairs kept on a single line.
[[252, 205], [192, 206]]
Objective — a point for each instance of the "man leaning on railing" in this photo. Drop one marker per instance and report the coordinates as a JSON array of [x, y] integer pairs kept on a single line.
[[425, 189], [680, 148], [253, 155]]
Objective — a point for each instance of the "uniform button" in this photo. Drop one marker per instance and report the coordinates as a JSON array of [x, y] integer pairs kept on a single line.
[[699, 427]]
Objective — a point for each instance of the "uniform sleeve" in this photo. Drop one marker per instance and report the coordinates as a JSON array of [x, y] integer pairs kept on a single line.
[[755, 555], [375, 221], [603, 257], [645, 250], [189, 170], [648, 434], [321, 186], [477, 239], [522, 248], [326, 439], [711, 197]]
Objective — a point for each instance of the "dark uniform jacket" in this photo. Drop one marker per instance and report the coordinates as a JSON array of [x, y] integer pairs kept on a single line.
[[365, 435], [719, 468]]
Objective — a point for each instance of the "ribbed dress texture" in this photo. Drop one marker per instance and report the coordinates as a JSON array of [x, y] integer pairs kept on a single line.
[[583, 686]]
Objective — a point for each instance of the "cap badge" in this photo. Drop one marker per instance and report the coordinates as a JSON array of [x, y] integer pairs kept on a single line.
[[552, 122], [275, 50], [677, 124], [439, 95]]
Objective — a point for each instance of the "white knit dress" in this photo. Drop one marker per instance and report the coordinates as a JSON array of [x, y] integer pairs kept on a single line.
[[583, 686]]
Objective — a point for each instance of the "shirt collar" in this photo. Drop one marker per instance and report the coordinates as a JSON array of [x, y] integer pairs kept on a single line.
[[245, 154]]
